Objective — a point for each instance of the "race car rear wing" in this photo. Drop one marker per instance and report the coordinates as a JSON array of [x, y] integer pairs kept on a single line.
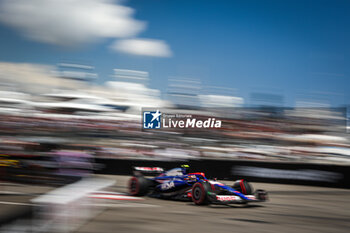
[[147, 170]]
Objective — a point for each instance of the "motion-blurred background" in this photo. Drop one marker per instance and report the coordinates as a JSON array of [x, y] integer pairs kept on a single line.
[[75, 75]]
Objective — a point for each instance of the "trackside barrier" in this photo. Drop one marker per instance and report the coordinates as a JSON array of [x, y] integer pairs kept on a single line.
[[63, 209], [255, 171]]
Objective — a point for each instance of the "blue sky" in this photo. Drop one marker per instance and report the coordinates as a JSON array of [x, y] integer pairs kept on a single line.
[[298, 49]]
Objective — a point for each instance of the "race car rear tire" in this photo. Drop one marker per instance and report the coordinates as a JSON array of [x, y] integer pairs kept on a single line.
[[200, 193], [138, 186], [243, 186]]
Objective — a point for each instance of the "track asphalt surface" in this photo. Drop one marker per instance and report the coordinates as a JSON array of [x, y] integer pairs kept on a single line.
[[291, 208]]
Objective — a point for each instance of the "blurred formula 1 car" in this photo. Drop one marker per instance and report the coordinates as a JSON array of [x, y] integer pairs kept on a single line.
[[179, 184]]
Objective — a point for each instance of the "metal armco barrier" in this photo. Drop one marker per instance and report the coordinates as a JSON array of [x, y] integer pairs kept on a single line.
[[255, 171]]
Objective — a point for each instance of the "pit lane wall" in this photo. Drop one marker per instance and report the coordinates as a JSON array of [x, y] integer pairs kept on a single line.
[[254, 171]]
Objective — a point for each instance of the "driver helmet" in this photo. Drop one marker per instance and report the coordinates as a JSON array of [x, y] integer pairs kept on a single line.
[[185, 168]]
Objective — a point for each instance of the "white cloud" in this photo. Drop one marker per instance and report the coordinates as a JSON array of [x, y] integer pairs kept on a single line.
[[145, 47], [69, 22]]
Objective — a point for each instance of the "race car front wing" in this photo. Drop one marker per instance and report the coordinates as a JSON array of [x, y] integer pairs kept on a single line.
[[259, 196]]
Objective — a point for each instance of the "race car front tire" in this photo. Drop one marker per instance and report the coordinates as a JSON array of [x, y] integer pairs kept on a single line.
[[243, 186], [138, 186], [200, 193]]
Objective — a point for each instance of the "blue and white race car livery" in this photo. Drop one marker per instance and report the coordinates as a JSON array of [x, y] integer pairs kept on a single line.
[[179, 184]]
